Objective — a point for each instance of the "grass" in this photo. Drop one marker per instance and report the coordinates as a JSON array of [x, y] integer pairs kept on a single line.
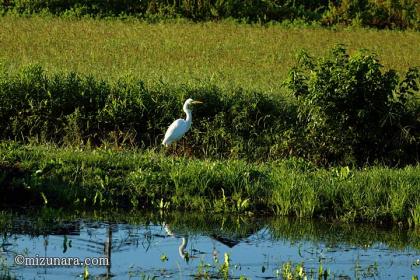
[[227, 54], [191, 58], [36, 175]]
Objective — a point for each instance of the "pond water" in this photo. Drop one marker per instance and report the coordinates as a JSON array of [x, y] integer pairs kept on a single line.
[[189, 245]]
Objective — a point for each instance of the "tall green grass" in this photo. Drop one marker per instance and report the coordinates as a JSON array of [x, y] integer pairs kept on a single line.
[[225, 53], [33, 175]]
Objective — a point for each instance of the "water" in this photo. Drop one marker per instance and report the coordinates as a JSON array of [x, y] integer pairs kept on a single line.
[[184, 246]]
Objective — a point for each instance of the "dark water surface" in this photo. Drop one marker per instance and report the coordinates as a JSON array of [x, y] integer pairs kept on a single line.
[[188, 245]]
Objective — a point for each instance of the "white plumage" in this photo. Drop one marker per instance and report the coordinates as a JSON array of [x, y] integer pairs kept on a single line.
[[179, 127]]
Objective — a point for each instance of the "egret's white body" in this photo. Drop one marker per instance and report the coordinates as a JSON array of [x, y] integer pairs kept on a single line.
[[179, 127]]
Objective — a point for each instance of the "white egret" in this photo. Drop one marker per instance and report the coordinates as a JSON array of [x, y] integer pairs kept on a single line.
[[179, 127]]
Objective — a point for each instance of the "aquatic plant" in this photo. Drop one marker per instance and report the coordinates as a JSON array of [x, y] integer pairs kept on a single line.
[[225, 267]]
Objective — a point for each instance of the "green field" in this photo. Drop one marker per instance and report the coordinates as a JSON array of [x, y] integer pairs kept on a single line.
[[225, 53]]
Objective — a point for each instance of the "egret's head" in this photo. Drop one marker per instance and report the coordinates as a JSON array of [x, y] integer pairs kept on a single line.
[[190, 102]]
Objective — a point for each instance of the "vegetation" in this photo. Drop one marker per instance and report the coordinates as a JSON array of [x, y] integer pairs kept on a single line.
[[178, 53], [37, 175], [390, 14], [345, 110], [73, 135], [353, 109]]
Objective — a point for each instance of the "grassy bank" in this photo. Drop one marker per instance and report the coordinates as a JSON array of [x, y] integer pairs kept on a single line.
[[226, 54], [341, 109], [36, 175]]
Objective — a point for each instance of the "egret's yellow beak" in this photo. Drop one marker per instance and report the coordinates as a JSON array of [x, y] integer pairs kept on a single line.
[[197, 102]]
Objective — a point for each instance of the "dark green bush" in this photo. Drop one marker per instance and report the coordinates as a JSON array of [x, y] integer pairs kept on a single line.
[[251, 10], [377, 13], [353, 111]]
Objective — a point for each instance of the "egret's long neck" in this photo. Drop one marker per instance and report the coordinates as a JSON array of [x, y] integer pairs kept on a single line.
[[187, 111]]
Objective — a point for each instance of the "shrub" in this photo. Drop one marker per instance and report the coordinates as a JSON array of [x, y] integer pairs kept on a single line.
[[377, 13], [352, 111]]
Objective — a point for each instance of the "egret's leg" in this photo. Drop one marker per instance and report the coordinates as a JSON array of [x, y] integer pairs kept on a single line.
[[183, 147], [167, 150], [175, 148]]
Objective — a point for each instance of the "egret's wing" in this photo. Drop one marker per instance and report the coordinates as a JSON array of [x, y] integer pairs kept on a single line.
[[175, 131]]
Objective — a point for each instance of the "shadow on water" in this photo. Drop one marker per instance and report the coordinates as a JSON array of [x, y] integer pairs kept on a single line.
[[192, 245]]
